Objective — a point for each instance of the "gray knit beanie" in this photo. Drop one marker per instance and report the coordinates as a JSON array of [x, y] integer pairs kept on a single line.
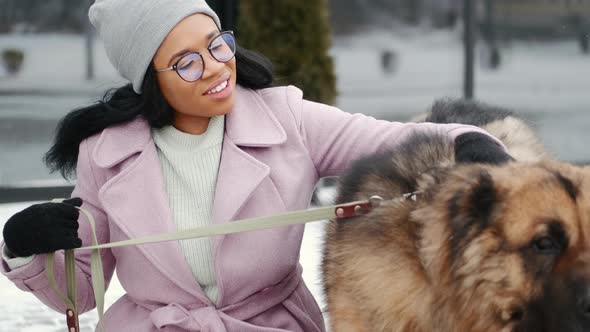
[[132, 30]]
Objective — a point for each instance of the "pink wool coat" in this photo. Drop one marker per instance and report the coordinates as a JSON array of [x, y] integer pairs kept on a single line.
[[276, 147]]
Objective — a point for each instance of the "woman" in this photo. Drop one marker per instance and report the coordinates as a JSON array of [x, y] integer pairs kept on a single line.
[[197, 138]]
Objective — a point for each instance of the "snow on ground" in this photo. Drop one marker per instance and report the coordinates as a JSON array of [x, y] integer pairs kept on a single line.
[[546, 82], [534, 76], [56, 63]]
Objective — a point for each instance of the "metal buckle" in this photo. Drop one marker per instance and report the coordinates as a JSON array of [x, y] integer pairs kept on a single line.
[[355, 209], [72, 321]]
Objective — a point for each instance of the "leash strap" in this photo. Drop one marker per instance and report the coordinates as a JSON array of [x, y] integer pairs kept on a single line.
[[292, 218], [244, 225], [96, 270]]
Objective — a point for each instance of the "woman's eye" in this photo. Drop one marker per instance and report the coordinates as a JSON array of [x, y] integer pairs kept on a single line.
[[185, 65]]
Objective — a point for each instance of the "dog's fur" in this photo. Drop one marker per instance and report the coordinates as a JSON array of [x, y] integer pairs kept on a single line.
[[514, 131], [483, 248]]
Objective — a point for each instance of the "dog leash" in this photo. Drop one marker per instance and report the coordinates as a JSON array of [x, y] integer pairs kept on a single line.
[[339, 211], [96, 271]]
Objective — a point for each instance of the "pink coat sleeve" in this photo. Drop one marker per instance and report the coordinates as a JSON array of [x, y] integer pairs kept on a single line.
[[32, 278], [335, 138]]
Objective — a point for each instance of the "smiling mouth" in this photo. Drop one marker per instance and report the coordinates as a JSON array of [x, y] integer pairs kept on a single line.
[[218, 88]]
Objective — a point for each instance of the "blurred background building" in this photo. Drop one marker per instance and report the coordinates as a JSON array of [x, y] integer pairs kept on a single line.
[[390, 59]]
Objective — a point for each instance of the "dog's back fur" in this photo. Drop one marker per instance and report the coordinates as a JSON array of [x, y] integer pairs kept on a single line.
[[513, 130]]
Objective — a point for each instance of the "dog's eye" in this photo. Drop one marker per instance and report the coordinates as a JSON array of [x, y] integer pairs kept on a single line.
[[546, 246]]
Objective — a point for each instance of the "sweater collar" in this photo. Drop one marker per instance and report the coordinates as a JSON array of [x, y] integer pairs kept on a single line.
[[250, 124], [171, 139]]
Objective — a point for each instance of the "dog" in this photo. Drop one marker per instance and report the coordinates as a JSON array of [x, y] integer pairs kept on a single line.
[[480, 247]]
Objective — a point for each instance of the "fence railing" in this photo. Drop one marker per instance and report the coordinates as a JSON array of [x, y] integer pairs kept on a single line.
[[30, 194]]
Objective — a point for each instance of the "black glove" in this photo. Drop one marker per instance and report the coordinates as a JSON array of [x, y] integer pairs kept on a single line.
[[474, 147], [43, 228]]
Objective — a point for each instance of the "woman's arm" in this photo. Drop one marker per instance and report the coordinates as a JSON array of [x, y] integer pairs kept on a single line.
[[31, 276], [335, 138]]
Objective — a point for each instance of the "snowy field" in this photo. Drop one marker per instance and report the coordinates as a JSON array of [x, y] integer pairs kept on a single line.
[[547, 82]]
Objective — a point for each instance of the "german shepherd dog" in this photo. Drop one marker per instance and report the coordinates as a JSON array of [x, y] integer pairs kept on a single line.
[[481, 248]]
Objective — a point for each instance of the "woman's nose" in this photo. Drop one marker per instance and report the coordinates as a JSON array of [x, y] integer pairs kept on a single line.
[[212, 66]]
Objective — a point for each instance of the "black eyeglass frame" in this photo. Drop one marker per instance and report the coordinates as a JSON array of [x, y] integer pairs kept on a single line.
[[175, 66]]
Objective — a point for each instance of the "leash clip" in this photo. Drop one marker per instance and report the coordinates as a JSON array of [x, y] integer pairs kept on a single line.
[[72, 321], [355, 209]]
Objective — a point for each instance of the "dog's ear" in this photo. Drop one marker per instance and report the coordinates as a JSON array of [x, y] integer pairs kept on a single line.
[[471, 208], [474, 147]]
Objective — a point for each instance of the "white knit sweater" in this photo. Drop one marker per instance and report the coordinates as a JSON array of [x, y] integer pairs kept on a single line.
[[189, 165]]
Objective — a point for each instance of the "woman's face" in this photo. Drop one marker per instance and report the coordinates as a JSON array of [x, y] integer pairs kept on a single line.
[[195, 102]]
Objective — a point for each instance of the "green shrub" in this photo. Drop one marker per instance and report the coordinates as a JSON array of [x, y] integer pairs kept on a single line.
[[295, 36]]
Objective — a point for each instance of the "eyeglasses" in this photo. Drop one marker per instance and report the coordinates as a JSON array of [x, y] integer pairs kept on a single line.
[[191, 66]]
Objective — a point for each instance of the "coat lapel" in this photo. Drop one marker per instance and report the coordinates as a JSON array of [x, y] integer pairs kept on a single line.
[[137, 202], [239, 175], [251, 124]]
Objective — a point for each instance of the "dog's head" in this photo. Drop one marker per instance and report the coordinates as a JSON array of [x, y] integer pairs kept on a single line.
[[514, 251]]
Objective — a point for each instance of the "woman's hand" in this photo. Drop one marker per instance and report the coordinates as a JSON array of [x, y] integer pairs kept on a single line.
[[43, 228], [476, 147]]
